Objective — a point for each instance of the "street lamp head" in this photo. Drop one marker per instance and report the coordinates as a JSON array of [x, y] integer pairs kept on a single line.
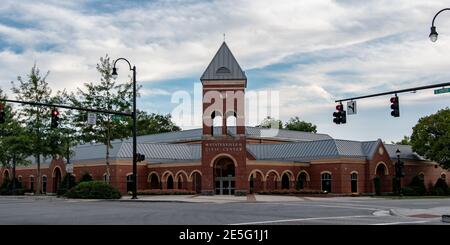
[[433, 34], [397, 153], [114, 73]]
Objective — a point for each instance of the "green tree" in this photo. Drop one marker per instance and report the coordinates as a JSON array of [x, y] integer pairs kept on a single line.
[[296, 124], [14, 143], [106, 95], [269, 122], [36, 119], [154, 123], [405, 141], [431, 137]]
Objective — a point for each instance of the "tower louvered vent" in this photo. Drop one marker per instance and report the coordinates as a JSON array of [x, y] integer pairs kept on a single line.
[[223, 70]]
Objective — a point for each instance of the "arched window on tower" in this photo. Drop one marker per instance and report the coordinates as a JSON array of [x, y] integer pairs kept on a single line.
[[216, 127], [231, 122]]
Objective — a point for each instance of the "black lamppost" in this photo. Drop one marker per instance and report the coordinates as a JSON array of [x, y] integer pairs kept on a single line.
[[114, 75], [433, 34], [398, 173]]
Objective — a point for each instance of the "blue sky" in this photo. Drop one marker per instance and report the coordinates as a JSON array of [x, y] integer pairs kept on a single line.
[[310, 52]]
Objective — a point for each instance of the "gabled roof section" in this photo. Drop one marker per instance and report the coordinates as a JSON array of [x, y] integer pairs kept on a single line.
[[223, 66]]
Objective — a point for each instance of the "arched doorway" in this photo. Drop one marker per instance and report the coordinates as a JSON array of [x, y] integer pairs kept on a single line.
[[285, 181], [154, 181], [196, 182], [272, 180], [170, 182], [56, 179], [180, 182], [256, 181], [382, 173], [224, 176]]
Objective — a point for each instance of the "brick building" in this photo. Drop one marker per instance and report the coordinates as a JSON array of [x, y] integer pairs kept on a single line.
[[226, 157]]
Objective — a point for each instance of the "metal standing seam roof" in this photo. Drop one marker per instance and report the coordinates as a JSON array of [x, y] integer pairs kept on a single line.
[[251, 132], [223, 66]]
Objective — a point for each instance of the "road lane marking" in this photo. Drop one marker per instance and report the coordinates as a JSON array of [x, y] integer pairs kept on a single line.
[[302, 219]]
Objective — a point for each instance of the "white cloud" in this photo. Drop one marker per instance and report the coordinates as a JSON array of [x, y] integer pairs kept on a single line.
[[353, 47]]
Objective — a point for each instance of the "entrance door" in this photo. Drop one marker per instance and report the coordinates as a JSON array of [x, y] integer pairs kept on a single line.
[[225, 185], [224, 177]]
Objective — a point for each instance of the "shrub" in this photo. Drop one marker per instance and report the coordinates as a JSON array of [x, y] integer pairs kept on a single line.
[[165, 192], [441, 188], [93, 190], [4, 188], [377, 185], [409, 191], [64, 184], [418, 185], [86, 177]]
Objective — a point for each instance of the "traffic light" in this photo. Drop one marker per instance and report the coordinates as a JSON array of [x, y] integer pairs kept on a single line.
[[2, 113], [140, 157], [340, 116], [55, 119], [395, 107]]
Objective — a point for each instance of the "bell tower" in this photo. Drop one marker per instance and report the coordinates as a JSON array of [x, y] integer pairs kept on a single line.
[[223, 141]]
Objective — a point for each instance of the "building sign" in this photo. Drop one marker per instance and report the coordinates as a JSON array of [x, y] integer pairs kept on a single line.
[[92, 118], [224, 147]]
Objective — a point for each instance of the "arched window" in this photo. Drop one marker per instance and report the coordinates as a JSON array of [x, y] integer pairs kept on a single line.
[[106, 178], [44, 184], [216, 127], [354, 182], [326, 182], [443, 176], [231, 122], [129, 182], [301, 182]]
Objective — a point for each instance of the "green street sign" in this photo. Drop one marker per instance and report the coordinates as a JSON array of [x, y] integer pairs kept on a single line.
[[442, 90], [116, 117]]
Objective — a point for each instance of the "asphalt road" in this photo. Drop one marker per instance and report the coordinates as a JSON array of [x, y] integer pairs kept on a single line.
[[29, 211]]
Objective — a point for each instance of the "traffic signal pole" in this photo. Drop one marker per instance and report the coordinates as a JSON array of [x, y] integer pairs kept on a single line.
[[397, 91], [69, 107]]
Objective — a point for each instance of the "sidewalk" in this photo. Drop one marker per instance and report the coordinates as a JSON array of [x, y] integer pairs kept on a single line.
[[435, 212], [212, 199]]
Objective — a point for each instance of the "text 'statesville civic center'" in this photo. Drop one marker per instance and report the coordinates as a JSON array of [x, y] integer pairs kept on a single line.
[[236, 160]]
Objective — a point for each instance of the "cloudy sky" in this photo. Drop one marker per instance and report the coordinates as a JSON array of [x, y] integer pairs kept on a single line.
[[311, 51]]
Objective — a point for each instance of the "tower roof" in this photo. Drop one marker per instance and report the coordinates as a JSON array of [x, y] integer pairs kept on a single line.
[[223, 66]]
